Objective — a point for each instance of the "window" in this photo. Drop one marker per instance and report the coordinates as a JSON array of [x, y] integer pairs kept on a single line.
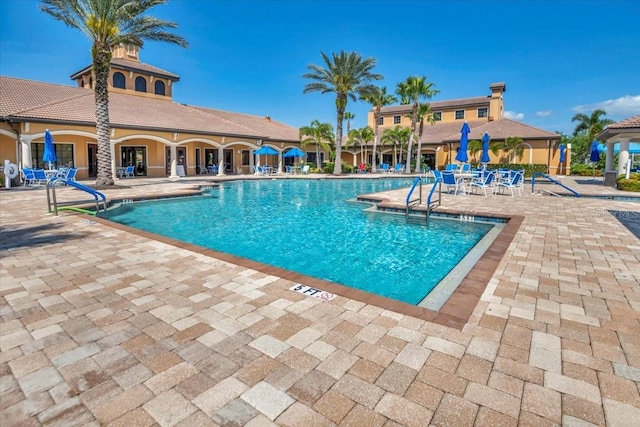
[[483, 112], [459, 114], [380, 120], [64, 153], [437, 116], [311, 157], [246, 155], [396, 120], [118, 80], [141, 84], [159, 87]]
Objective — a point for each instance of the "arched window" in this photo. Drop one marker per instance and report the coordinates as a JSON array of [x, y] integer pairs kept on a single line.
[[141, 84], [118, 80], [159, 87]]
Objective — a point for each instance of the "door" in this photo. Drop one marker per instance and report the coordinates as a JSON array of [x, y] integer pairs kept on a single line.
[[198, 161], [92, 160], [136, 157], [181, 163], [228, 161]]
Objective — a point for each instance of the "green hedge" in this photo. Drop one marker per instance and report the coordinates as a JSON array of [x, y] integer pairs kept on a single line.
[[631, 184], [585, 170], [529, 170]]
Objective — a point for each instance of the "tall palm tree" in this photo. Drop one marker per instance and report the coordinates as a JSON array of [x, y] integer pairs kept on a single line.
[[346, 75], [396, 136], [360, 138], [378, 98], [320, 134], [109, 23], [424, 113], [589, 125], [348, 116], [412, 90]]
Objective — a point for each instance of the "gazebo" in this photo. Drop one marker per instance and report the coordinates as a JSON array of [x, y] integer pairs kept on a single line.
[[623, 132]]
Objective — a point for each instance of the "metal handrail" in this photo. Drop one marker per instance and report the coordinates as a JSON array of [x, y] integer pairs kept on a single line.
[[52, 200], [411, 202], [544, 175]]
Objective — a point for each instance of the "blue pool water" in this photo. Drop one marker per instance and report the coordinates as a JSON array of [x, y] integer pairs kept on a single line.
[[307, 226]]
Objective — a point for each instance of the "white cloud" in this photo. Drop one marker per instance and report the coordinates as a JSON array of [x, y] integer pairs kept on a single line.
[[545, 113], [625, 106], [513, 115]]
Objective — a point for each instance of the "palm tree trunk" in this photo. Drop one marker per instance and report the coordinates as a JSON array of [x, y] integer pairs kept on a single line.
[[318, 156], [337, 168], [101, 63], [375, 146], [419, 157]]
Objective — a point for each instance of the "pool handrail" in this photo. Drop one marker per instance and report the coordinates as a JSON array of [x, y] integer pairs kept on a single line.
[[412, 202], [555, 181], [98, 197]]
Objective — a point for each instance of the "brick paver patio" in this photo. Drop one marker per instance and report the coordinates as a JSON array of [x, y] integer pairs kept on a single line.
[[104, 326]]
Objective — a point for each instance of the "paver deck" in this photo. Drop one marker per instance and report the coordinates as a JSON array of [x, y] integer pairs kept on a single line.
[[104, 326]]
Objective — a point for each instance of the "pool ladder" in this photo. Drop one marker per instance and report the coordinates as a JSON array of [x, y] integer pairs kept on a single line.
[[431, 203]]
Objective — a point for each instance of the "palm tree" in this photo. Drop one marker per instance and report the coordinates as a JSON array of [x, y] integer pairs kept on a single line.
[[346, 74], [320, 134], [510, 147], [474, 147], [378, 98], [398, 135], [109, 23], [360, 138], [424, 112], [348, 116], [590, 126], [412, 90]]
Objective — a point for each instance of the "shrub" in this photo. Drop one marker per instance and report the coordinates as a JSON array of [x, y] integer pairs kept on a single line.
[[631, 184], [585, 170]]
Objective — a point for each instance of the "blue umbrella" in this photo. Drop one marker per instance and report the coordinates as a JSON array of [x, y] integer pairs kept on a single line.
[[49, 154], [295, 152], [464, 142], [265, 150], [595, 154], [485, 149]]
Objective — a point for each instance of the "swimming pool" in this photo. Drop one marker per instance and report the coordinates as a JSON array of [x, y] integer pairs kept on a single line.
[[309, 227]]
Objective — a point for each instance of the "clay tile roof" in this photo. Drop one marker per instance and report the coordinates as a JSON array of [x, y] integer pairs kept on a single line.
[[32, 100], [129, 65], [631, 122], [498, 129], [438, 105]]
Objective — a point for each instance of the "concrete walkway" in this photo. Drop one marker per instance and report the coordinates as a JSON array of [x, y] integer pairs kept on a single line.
[[103, 326]]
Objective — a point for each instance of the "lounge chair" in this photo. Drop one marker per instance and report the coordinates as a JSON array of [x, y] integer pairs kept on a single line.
[[486, 183], [512, 183], [398, 168], [28, 176]]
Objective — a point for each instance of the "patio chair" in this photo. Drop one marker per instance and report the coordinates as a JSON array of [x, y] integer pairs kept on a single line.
[[362, 168], [384, 168], [451, 167], [305, 170], [39, 177], [288, 170], [486, 183], [513, 183], [450, 180], [71, 174], [398, 168]]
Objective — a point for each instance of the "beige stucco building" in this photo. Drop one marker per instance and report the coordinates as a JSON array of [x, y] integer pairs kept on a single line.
[[440, 141], [148, 130]]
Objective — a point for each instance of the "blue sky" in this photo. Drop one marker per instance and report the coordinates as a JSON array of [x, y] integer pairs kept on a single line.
[[557, 58]]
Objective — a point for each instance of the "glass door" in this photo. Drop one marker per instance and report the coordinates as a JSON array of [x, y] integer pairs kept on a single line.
[[135, 156], [92, 160]]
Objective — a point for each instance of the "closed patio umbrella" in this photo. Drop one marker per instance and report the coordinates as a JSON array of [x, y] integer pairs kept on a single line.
[[594, 156], [484, 159], [464, 143], [49, 155], [563, 157]]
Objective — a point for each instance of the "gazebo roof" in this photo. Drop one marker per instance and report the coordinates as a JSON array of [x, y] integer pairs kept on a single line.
[[628, 129]]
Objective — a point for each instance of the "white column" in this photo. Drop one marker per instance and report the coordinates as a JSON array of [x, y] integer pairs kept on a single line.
[[113, 159], [610, 155], [623, 156], [251, 161], [174, 162], [280, 162], [221, 171], [25, 146]]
